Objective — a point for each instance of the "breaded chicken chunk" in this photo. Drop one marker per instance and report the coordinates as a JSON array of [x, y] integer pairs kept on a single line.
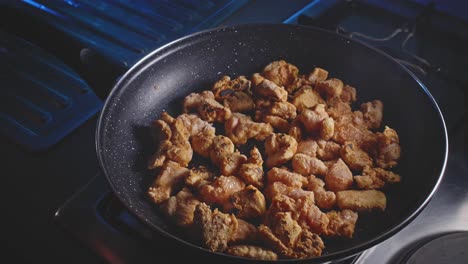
[[338, 177], [270, 90], [373, 113], [281, 72], [306, 97], [388, 148], [207, 107], [215, 228], [221, 189], [342, 223], [354, 156], [240, 128], [323, 199], [306, 165], [170, 177], [361, 201], [253, 252], [225, 86], [180, 208], [279, 148], [317, 75], [246, 203], [252, 171]]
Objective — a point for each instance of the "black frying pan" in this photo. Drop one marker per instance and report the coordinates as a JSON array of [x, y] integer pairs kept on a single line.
[[161, 80]]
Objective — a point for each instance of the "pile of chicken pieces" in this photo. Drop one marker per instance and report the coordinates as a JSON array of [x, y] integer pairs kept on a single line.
[[322, 163]]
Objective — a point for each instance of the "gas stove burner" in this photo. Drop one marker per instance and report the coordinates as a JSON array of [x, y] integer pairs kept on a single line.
[[449, 248]]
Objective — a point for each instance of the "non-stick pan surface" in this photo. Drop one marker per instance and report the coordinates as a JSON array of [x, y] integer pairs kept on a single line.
[[161, 80]]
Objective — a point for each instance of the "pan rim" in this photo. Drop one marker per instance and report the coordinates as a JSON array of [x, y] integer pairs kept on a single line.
[[344, 254]]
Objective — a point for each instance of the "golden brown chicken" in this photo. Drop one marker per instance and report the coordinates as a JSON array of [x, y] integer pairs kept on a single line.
[[361, 201], [252, 171], [338, 177], [252, 252], [180, 208], [307, 165], [221, 189], [246, 203], [280, 72], [215, 228], [279, 148], [240, 128], [170, 177]]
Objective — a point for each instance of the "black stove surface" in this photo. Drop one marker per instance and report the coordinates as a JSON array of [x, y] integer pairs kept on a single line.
[[429, 42]]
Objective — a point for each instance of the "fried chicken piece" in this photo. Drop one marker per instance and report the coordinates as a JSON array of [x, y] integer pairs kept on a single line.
[[289, 178], [253, 252], [281, 72], [323, 199], [354, 156], [306, 165], [231, 163], [180, 149], [207, 107], [270, 90], [312, 118], [298, 83], [375, 178], [279, 148], [337, 107], [279, 123], [169, 179], [279, 188], [173, 143], [194, 123], [220, 148], [285, 228], [308, 147], [257, 79], [306, 97], [239, 102], [328, 128], [159, 157], [328, 150], [199, 176], [246, 203], [338, 177], [307, 244], [215, 228], [202, 142], [349, 94], [246, 232], [180, 208], [373, 113], [330, 88], [295, 130], [240, 128], [361, 201], [317, 75], [317, 122], [221, 189], [302, 207], [225, 86], [284, 110], [351, 127], [252, 171], [342, 223], [388, 148]]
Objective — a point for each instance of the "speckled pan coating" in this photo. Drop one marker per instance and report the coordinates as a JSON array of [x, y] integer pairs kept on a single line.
[[161, 79]]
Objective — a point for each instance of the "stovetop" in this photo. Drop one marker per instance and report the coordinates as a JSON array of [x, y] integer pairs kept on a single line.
[[421, 36]]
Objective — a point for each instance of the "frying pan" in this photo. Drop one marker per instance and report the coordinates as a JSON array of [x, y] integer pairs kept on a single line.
[[163, 78]]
